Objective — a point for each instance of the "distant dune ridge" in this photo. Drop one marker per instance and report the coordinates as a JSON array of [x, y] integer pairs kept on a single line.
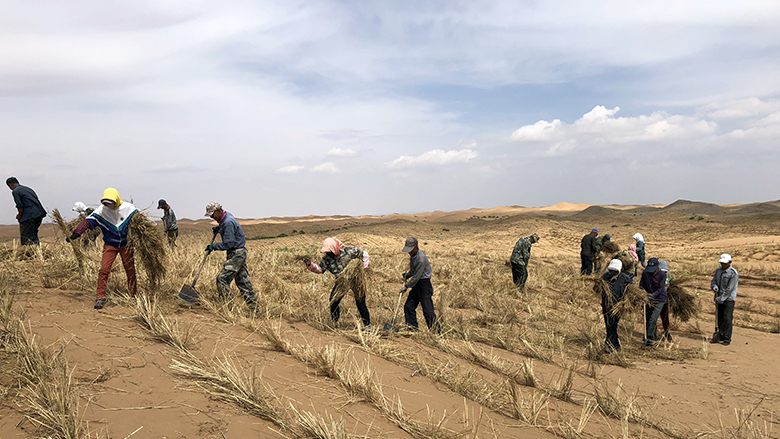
[[574, 210]]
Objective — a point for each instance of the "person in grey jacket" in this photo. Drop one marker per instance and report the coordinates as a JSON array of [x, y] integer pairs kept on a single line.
[[724, 285], [169, 222], [418, 278]]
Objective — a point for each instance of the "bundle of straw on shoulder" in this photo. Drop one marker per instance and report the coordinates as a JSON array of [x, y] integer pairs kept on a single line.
[[354, 278], [610, 247], [149, 246]]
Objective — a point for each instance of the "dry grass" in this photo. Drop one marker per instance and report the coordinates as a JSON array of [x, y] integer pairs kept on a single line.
[[162, 329], [149, 246], [66, 232], [353, 278]]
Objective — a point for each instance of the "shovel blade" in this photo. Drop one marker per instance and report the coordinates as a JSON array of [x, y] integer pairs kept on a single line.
[[389, 327], [189, 294]]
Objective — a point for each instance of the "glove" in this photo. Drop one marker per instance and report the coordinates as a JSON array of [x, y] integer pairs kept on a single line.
[[406, 275], [215, 229], [71, 237], [715, 289], [403, 290], [209, 248]]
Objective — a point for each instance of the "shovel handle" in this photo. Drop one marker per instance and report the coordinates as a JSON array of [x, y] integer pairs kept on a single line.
[[197, 275]]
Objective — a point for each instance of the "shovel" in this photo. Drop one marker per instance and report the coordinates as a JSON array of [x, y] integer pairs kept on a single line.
[[391, 326], [188, 293]]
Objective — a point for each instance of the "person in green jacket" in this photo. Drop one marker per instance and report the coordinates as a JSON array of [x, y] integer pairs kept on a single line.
[[520, 256]]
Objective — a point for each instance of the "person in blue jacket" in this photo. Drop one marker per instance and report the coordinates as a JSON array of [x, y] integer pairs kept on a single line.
[[30, 211]]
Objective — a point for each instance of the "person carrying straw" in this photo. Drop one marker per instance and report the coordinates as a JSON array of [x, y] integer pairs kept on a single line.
[[335, 259], [653, 282], [113, 218], [617, 281]]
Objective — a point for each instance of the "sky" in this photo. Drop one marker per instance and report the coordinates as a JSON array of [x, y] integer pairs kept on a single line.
[[367, 107]]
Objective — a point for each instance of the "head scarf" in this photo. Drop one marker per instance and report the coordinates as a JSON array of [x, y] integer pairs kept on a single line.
[[331, 245], [112, 194], [639, 237], [663, 266], [632, 252]]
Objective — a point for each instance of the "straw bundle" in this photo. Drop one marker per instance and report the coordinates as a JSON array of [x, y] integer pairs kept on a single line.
[[633, 301], [67, 231], [149, 246], [628, 262], [601, 288], [354, 278], [682, 304], [610, 247]]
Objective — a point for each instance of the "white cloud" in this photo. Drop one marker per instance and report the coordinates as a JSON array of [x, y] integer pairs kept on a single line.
[[600, 127], [327, 167], [437, 157], [539, 131], [292, 169], [743, 108], [338, 152]]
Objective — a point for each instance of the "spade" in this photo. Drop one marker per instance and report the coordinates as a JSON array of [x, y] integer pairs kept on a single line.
[[391, 326], [188, 292]]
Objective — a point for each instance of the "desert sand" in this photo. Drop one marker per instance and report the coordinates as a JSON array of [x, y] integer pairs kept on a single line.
[[507, 364]]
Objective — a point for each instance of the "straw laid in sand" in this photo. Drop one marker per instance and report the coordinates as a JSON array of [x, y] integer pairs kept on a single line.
[[354, 278], [67, 231], [148, 245]]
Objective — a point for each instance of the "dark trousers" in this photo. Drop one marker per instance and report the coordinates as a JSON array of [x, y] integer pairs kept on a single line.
[[641, 255], [335, 311], [421, 294], [665, 316], [29, 231], [611, 323], [725, 318], [519, 275], [587, 264], [652, 312]]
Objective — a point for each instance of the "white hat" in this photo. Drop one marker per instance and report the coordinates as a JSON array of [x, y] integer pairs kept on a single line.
[[639, 237], [212, 207], [79, 207], [615, 265], [725, 258]]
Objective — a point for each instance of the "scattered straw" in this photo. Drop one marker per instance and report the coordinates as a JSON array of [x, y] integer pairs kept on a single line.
[[633, 301], [149, 246], [354, 278]]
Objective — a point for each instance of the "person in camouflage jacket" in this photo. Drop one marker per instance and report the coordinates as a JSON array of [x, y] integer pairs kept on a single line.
[[335, 258], [519, 260]]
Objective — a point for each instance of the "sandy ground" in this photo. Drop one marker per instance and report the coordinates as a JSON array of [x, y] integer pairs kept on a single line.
[[127, 387]]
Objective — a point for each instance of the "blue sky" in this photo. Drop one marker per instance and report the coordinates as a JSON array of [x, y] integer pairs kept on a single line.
[[297, 108]]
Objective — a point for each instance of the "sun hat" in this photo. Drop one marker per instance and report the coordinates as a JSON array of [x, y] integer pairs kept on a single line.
[[615, 265], [725, 258]]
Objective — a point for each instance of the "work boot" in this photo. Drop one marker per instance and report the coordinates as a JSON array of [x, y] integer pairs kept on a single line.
[[99, 303], [367, 329], [715, 338]]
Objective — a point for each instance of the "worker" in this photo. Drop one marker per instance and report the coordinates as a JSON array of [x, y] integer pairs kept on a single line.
[[169, 222], [234, 245], [724, 284], [30, 211], [640, 248], [653, 282], [418, 278], [113, 218], [335, 259], [617, 281], [588, 251], [519, 260]]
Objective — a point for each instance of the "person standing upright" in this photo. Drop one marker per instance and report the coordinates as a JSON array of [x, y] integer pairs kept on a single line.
[[640, 248], [418, 278], [724, 284], [30, 211], [653, 282], [520, 256], [588, 251], [234, 245], [169, 222]]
